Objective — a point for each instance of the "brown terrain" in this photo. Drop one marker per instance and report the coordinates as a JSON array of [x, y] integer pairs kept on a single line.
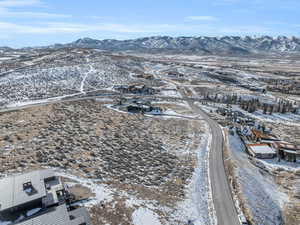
[[151, 157]]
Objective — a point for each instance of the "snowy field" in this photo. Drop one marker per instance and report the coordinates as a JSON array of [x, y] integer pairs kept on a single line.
[[282, 165], [198, 207], [258, 189]]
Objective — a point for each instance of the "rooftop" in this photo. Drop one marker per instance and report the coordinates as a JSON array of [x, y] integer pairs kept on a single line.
[[288, 146], [261, 149], [59, 216], [29, 192], [24, 188]]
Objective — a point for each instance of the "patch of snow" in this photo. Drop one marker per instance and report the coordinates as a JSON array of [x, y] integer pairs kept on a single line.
[[104, 100], [275, 117], [183, 104], [36, 102], [198, 207], [261, 193], [274, 164], [171, 93], [144, 216], [206, 108], [5, 58], [102, 192], [171, 112]]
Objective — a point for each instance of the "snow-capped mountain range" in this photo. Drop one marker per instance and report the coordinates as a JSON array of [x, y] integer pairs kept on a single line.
[[201, 45]]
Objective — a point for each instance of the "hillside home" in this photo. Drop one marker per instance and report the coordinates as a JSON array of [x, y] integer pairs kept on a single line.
[[287, 151], [261, 151], [136, 89]]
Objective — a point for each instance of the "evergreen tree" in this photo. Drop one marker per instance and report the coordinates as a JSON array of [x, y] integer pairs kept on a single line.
[[265, 108], [271, 109]]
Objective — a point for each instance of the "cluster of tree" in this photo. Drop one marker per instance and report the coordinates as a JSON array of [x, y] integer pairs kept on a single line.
[[228, 99], [254, 104], [281, 107], [250, 105], [287, 86], [286, 89]]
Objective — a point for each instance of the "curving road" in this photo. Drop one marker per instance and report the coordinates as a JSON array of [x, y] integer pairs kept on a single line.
[[222, 198]]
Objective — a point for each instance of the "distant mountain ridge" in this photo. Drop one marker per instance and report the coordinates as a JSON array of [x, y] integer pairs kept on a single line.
[[232, 45]]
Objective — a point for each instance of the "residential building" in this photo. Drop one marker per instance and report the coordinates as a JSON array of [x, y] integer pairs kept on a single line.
[[58, 215], [37, 188], [287, 151], [42, 190], [261, 151]]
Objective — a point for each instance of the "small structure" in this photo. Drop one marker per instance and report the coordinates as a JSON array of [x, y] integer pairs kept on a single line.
[[223, 111], [40, 190], [144, 109], [145, 76], [287, 151], [139, 106], [236, 116], [261, 151], [136, 89], [175, 74]]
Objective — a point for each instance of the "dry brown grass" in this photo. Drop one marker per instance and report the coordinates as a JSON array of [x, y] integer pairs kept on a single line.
[[80, 192], [113, 212], [291, 214], [149, 158]]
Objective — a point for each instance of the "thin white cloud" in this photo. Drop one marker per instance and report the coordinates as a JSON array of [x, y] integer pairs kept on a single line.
[[18, 3], [11, 14], [60, 27], [6, 12], [202, 18], [129, 29]]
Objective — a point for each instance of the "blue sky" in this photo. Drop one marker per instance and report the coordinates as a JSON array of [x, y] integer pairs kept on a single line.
[[43, 22]]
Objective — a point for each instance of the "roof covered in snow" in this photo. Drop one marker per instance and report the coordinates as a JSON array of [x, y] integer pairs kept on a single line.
[[14, 192], [59, 216], [261, 149]]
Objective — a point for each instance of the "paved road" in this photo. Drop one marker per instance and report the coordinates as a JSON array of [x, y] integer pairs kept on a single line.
[[223, 202], [222, 198]]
